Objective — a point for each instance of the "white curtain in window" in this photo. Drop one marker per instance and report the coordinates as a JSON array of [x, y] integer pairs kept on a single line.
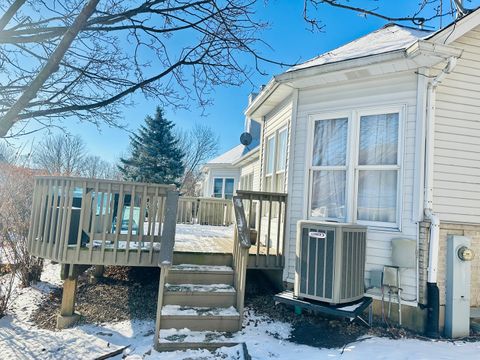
[[377, 195], [378, 139], [328, 194], [328, 185], [377, 184], [330, 142]]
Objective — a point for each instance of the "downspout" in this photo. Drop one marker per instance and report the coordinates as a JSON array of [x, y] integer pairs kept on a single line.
[[433, 301]]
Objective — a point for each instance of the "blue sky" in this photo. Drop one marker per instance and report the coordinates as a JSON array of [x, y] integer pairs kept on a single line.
[[291, 42]]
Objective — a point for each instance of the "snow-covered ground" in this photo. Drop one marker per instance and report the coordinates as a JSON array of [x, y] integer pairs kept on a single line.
[[21, 339]]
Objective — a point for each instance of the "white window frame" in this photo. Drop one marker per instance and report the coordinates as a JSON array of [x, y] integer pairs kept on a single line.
[[277, 157], [273, 176], [224, 180], [352, 168], [310, 168]]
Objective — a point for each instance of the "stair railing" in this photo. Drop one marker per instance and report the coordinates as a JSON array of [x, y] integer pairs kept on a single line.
[[241, 247], [266, 217], [166, 253]]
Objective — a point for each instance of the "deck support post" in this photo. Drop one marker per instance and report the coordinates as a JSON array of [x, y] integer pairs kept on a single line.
[[96, 274], [68, 316]]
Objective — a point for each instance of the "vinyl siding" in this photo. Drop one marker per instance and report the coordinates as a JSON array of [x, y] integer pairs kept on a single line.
[[399, 89], [457, 134], [252, 168]]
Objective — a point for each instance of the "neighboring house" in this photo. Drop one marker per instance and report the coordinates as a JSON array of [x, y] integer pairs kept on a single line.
[[238, 168], [383, 132], [221, 177]]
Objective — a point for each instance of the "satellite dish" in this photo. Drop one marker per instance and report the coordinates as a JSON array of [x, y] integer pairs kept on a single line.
[[246, 138]]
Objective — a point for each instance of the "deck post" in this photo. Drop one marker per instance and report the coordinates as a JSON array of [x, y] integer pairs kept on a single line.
[[68, 316], [96, 274]]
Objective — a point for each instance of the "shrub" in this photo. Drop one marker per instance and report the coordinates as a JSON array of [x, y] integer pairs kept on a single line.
[[16, 193]]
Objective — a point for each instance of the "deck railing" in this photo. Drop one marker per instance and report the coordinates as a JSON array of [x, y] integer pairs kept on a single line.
[[241, 248], [91, 221], [265, 216], [204, 211]]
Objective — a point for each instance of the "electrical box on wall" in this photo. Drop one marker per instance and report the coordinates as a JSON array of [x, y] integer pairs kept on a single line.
[[457, 306]]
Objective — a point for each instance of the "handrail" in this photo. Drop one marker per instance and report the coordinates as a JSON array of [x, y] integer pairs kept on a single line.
[[266, 216], [241, 223], [241, 247]]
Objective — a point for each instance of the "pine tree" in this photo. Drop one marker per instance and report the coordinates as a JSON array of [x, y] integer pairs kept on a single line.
[[155, 155]]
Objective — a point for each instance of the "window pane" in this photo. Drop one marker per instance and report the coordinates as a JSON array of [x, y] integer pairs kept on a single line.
[[328, 194], [282, 150], [270, 155], [229, 188], [378, 139], [217, 187], [377, 195], [330, 142]]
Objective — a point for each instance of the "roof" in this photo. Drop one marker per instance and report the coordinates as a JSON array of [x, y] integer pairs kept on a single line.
[[391, 37], [229, 157]]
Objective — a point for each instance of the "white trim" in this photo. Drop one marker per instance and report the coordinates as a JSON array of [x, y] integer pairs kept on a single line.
[[224, 182], [457, 28]]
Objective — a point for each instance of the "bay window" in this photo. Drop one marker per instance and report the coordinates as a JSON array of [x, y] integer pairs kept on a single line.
[[355, 168]]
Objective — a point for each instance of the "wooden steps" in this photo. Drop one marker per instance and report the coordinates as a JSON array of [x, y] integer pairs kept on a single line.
[[199, 298], [183, 339], [200, 274], [214, 295]]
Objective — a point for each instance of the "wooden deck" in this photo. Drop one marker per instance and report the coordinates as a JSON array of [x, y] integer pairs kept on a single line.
[[79, 221]]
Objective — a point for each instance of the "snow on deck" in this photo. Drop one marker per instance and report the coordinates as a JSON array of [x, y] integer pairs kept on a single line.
[[204, 238], [265, 339], [188, 238]]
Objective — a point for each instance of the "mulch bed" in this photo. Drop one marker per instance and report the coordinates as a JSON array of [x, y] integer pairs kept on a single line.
[[131, 293], [122, 294]]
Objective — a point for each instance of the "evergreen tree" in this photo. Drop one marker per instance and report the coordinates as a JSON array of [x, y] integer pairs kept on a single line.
[[155, 155]]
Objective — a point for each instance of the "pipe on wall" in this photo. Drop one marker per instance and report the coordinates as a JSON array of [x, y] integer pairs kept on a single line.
[[433, 301]]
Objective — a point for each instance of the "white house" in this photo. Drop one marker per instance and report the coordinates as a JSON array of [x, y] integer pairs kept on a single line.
[[383, 131], [237, 168]]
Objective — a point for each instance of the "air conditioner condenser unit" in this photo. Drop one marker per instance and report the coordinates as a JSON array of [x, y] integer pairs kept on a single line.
[[330, 261]]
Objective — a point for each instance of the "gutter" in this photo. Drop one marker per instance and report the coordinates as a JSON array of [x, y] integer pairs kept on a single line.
[[433, 301]]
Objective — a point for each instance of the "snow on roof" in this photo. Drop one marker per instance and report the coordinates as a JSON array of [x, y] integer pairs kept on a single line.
[[230, 156], [389, 38]]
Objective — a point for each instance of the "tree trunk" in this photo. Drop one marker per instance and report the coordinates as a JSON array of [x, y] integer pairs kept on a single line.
[[50, 67]]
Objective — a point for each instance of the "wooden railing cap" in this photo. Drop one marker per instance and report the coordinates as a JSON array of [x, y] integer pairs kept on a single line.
[[105, 181]]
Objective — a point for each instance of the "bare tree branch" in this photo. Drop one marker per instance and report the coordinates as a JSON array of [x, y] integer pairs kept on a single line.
[[7, 121]]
